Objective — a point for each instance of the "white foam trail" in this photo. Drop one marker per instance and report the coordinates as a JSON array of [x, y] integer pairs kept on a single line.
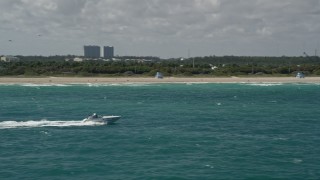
[[45, 123]]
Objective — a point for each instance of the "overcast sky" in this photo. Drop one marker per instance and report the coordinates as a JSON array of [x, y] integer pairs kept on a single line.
[[164, 28]]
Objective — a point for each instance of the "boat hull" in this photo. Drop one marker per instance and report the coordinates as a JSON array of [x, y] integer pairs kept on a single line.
[[110, 119], [103, 119]]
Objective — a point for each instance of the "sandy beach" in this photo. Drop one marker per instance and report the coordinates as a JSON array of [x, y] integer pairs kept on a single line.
[[82, 80]]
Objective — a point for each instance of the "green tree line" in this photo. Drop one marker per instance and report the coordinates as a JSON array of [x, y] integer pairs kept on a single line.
[[205, 66]]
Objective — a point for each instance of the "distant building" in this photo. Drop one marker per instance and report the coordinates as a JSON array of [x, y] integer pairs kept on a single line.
[[92, 51], [77, 59], [9, 58], [108, 52]]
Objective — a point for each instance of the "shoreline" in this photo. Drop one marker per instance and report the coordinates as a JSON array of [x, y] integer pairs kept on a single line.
[[122, 80]]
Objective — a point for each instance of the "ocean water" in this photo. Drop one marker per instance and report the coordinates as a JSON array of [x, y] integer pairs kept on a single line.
[[167, 131]]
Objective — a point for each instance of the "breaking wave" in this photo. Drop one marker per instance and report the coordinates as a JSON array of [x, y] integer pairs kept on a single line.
[[76, 84], [264, 84], [45, 123]]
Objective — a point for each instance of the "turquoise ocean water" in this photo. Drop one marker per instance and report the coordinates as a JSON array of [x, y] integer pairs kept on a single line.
[[167, 131]]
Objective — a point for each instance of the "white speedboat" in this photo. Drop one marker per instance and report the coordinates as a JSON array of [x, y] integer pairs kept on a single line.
[[102, 119]]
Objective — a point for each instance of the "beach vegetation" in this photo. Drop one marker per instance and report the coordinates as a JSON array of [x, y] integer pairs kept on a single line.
[[137, 66]]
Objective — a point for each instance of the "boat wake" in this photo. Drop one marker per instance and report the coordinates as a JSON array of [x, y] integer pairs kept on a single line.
[[46, 123]]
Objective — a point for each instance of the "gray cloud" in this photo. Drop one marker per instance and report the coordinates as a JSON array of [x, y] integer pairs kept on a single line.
[[161, 27]]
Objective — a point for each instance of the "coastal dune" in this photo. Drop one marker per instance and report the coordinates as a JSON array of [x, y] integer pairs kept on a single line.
[[82, 80]]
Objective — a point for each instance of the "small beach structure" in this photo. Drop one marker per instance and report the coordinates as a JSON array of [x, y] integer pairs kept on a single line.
[[300, 75], [159, 75]]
